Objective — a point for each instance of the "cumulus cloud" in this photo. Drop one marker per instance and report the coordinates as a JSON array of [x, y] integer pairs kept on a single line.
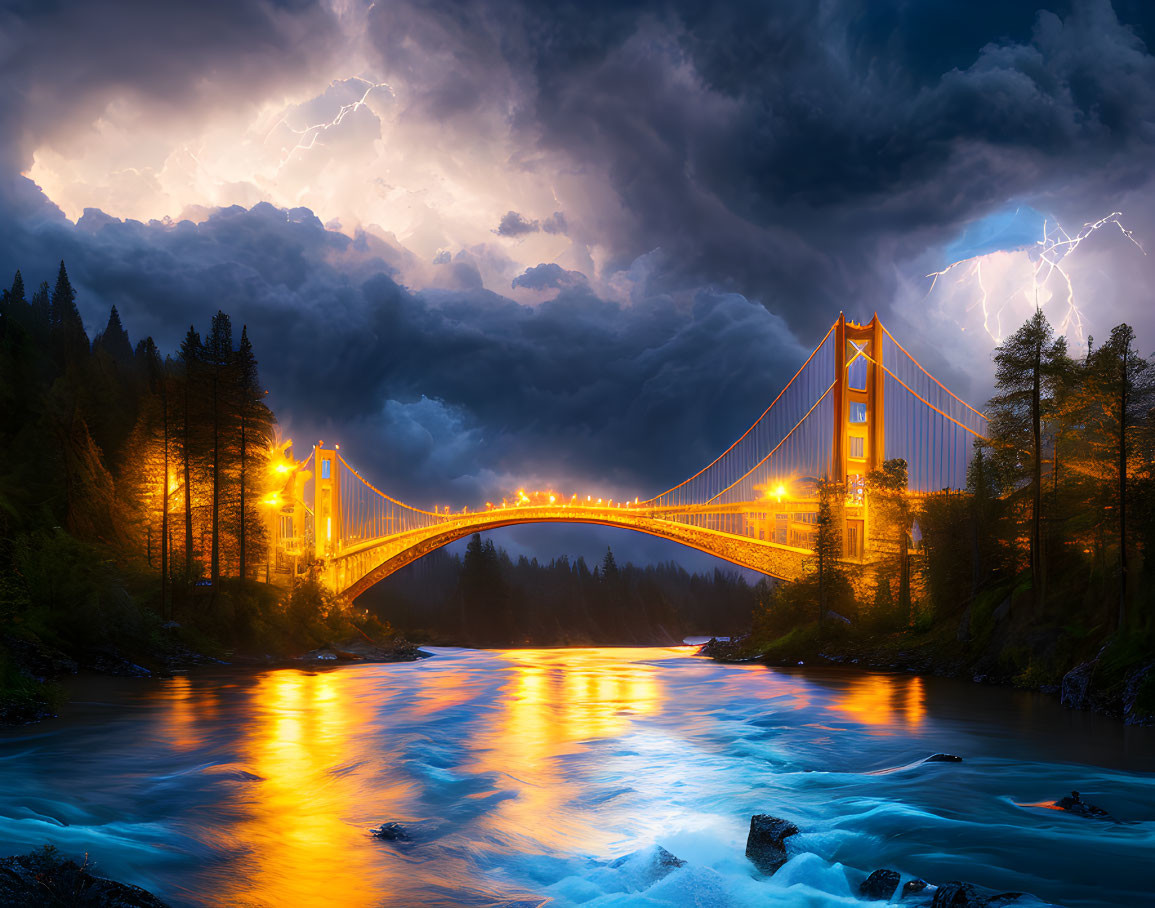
[[514, 225], [549, 276]]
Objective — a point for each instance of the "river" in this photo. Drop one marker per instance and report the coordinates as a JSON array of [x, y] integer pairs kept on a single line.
[[522, 775]]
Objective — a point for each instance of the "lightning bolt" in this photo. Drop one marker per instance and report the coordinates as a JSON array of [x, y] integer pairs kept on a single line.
[[309, 136], [1047, 257]]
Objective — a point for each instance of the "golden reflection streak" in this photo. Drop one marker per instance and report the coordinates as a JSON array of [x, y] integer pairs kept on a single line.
[[889, 704], [179, 729], [558, 701], [299, 847]]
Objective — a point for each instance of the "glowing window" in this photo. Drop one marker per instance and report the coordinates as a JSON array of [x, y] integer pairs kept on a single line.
[[856, 374], [857, 411], [326, 464], [857, 446]]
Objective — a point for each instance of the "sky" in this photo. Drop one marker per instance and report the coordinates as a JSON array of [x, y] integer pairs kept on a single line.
[[582, 245]]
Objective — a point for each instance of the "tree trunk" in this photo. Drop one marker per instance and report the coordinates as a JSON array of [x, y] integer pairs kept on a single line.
[[904, 582], [215, 561], [242, 533], [164, 501], [188, 532], [821, 591], [1037, 490], [1123, 492]]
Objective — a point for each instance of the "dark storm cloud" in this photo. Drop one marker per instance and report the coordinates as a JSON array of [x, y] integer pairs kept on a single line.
[[514, 224], [789, 153], [437, 392], [555, 224], [794, 151], [549, 276], [60, 62]]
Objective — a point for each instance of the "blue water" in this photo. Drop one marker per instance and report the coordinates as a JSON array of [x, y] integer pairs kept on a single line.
[[526, 775]]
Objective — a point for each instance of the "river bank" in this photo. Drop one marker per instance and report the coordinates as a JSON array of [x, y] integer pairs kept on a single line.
[[35, 689], [1117, 682]]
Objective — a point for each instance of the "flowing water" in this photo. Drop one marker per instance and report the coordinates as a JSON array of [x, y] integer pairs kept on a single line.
[[523, 775]]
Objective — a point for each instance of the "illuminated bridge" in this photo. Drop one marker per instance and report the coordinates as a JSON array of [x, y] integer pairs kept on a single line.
[[860, 398]]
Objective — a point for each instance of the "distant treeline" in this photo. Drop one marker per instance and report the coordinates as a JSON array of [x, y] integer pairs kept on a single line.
[[488, 599]]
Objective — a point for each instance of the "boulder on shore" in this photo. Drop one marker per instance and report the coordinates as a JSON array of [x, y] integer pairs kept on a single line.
[[765, 844], [880, 884], [1076, 685]]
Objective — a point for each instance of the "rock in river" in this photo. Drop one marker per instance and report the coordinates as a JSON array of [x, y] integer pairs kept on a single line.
[[880, 884], [644, 868], [391, 832], [1076, 805], [963, 895], [764, 845], [943, 758], [913, 887]]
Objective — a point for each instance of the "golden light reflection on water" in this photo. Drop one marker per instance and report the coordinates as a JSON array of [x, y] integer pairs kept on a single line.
[[888, 703], [297, 833], [310, 770], [558, 702]]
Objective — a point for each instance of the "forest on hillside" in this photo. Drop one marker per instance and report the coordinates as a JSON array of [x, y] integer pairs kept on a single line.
[[131, 522], [1044, 564]]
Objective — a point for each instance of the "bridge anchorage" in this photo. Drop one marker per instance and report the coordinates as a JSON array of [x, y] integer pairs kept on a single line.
[[859, 399]]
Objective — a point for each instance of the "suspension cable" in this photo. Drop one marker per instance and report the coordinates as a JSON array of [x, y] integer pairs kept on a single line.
[[751, 429], [776, 447], [931, 377], [387, 497]]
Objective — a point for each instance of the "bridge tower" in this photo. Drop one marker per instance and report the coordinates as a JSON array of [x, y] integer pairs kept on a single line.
[[859, 440], [326, 502]]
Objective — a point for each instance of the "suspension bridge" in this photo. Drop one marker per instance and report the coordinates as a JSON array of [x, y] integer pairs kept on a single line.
[[859, 399]]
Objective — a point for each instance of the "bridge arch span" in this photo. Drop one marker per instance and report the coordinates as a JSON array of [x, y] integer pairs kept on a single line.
[[858, 401], [357, 568]]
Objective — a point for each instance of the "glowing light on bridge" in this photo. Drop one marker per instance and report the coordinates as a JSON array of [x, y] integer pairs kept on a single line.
[[755, 504], [1047, 266]]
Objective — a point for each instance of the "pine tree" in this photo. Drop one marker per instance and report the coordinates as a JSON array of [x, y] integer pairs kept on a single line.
[[16, 294], [1025, 369], [42, 303], [610, 572], [256, 434], [828, 544], [219, 356], [114, 340], [1126, 391], [191, 363], [887, 487], [70, 339]]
